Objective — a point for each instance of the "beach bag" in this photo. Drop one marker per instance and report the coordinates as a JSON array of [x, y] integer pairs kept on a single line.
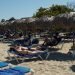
[[35, 41]]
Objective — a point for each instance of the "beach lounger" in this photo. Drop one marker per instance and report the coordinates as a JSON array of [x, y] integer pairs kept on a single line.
[[18, 70], [51, 43], [21, 56], [3, 65]]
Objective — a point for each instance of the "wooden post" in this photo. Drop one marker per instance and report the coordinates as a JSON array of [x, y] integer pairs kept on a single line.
[[73, 39]]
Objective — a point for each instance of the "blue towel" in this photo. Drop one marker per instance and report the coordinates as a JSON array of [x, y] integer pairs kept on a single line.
[[15, 71], [18, 70], [5, 73], [3, 64], [21, 69], [10, 72]]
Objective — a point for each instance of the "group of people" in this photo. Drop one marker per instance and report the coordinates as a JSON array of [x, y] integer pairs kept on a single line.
[[30, 50], [26, 49]]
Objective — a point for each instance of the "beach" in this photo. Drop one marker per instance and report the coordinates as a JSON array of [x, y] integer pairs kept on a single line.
[[53, 66]]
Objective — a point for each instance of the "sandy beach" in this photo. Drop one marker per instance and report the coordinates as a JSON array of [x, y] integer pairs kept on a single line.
[[58, 62]]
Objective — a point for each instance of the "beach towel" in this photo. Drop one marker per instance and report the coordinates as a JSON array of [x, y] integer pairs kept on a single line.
[[15, 71], [10, 72], [3, 64]]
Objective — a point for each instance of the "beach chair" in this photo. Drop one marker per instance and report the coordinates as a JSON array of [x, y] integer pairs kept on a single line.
[[21, 56], [51, 44], [3, 65], [17, 70], [53, 41]]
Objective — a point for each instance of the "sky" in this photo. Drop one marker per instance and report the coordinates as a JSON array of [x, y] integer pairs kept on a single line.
[[25, 8]]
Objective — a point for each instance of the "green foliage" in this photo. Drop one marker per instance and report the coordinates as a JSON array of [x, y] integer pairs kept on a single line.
[[52, 11], [11, 19], [40, 12], [3, 20]]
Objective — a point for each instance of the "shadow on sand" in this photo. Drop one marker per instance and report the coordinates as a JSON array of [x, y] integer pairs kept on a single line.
[[14, 62], [72, 68], [58, 56]]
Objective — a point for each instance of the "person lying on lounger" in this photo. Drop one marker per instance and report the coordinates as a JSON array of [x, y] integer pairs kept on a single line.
[[25, 50]]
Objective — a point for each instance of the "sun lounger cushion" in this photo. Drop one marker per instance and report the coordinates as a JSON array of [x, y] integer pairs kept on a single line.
[[5, 73], [3, 64], [21, 69], [15, 71], [10, 72], [18, 70]]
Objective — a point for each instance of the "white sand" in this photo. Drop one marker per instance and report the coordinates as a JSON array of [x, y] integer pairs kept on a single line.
[[45, 67]]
